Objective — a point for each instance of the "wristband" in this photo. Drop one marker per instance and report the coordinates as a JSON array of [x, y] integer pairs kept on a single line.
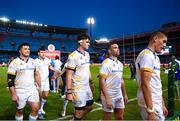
[[69, 91], [150, 110]]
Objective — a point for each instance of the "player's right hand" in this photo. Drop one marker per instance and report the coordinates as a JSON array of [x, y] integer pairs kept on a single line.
[[69, 97], [15, 98], [152, 116], [109, 103]]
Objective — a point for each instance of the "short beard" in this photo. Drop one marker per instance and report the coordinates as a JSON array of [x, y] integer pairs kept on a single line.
[[116, 55], [25, 55]]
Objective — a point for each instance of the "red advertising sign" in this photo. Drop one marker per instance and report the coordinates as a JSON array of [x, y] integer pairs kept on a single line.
[[53, 54]]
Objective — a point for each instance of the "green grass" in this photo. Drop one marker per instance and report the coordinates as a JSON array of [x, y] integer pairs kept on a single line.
[[54, 104]]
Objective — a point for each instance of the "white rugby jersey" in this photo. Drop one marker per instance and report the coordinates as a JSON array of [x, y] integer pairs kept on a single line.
[[112, 70], [43, 67], [80, 64], [148, 60], [57, 64], [24, 72]]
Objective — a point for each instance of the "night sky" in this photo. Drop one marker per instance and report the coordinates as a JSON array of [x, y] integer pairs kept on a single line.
[[113, 18]]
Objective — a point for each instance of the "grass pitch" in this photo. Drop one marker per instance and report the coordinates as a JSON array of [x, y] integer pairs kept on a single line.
[[54, 103]]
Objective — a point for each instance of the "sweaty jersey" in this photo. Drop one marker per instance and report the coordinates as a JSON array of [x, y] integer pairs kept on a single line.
[[148, 60], [112, 70], [24, 72], [43, 67], [79, 62]]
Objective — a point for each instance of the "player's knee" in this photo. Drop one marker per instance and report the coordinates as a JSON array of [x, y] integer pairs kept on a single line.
[[35, 108]]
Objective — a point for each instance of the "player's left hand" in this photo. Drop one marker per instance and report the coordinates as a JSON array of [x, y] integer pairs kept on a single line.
[[69, 97], [125, 99], [165, 111], [92, 87], [58, 71]]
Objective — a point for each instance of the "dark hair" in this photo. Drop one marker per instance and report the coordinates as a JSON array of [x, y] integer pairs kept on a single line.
[[56, 57], [23, 44], [157, 34], [112, 43], [83, 36], [41, 49]]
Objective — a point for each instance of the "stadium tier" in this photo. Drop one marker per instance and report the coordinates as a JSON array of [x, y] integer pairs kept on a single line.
[[14, 32], [130, 46]]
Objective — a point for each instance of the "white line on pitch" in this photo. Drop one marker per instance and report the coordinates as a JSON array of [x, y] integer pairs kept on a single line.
[[98, 104], [96, 109], [65, 117], [130, 100]]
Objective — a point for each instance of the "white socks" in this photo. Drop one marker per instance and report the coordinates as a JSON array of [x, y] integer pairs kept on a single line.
[[43, 101], [32, 118], [65, 104], [18, 118]]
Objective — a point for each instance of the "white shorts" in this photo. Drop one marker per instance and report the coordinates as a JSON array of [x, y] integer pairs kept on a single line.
[[118, 103], [158, 109], [27, 96], [45, 85], [80, 97]]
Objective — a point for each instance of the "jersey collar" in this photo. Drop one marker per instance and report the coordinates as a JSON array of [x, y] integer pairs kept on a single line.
[[23, 59], [80, 52], [113, 59], [154, 53]]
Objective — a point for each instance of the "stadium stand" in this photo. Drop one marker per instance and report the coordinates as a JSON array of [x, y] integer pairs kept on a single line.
[[14, 32], [140, 42]]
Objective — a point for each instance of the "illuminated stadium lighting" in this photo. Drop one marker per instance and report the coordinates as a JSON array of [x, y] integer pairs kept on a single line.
[[30, 23], [90, 20], [102, 40], [4, 19], [45, 25]]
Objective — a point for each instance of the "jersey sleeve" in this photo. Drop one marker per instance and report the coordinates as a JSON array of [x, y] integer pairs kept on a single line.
[[88, 57], [48, 61], [36, 64], [71, 63], [104, 70], [146, 62], [12, 68]]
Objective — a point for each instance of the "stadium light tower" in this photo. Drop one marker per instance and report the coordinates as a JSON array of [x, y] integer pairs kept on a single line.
[[90, 22]]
